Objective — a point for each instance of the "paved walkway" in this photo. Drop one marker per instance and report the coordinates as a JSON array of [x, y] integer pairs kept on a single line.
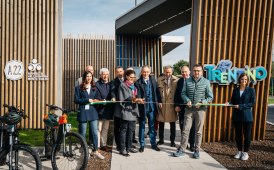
[[163, 160], [270, 114]]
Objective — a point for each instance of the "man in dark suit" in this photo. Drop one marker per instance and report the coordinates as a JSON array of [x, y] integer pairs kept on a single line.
[[119, 71], [148, 90], [181, 108]]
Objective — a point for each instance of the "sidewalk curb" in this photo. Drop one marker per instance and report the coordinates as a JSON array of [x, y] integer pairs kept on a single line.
[[270, 105], [270, 123]]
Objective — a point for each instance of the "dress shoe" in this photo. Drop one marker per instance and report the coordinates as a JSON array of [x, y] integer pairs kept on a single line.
[[172, 144], [156, 148], [124, 153], [141, 149], [106, 148], [160, 142], [133, 146], [132, 150], [134, 141]]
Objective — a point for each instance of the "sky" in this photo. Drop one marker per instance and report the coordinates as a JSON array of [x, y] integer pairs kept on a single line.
[[97, 17]]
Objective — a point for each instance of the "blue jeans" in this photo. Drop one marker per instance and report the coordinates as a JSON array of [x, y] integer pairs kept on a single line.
[[93, 131], [151, 129]]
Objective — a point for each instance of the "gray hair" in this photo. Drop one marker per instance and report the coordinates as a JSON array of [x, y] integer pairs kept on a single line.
[[104, 70], [168, 67], [145, 66]]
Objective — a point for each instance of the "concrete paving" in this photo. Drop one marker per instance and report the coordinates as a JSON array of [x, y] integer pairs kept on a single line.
[[163, 160], [270, 114]]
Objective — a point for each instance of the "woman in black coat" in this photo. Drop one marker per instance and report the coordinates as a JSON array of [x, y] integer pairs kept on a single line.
[[84, 95], [243, 98]]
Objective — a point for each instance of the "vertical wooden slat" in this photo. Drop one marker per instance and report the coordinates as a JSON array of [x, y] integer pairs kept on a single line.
[[257, 30], [27, 32]]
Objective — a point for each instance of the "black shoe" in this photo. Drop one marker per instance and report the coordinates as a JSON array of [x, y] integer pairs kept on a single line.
[[147, 135], [132, 150], [172, 144], [156, 148], [124, 153], [192, 149], [134, 141], [160, 142], [141, 149], [133, 146]]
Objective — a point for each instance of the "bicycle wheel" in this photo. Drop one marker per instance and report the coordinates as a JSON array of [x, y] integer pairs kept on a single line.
[[72, 155], [23, 158], [50, 136]]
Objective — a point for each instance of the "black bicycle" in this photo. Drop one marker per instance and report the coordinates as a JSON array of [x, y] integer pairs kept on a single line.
[[13, 154], [67, 150]]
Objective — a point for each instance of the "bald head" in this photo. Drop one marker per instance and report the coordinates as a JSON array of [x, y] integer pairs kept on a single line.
[[185, 71], [90, 69]]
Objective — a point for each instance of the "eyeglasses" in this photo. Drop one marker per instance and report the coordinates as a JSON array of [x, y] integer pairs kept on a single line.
[[132, 77], [197, 70]]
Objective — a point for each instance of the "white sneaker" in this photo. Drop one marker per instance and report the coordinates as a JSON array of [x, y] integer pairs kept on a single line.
[[98, 155], [238, 155], [244, 156]]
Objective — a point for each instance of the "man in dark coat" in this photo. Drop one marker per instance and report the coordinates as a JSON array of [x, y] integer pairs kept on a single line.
[[119, 71], [148, 90]]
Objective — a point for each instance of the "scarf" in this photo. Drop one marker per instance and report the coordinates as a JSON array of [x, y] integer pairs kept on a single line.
[[131, 87]]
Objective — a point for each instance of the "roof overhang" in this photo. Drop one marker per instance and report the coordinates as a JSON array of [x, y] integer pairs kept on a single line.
[[169, 43], [155, 17]]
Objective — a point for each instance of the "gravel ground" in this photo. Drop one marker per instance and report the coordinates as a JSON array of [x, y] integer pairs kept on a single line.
[[261, 154], [97, 164]]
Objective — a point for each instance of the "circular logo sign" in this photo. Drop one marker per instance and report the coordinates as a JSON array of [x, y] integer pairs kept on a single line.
[[14, 70]]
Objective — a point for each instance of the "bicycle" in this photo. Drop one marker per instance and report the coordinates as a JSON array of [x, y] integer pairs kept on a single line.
[[13, 154], [66, 149]]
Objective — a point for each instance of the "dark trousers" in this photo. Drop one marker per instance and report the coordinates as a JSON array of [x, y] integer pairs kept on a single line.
[[126, 131], [117, 124], [191, 138], [172, 131], [243, 129]]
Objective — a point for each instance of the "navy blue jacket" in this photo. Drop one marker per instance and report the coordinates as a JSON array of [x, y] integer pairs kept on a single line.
[[104, 93], [245, 102], [82, 97], [178, 94], [156, 97]]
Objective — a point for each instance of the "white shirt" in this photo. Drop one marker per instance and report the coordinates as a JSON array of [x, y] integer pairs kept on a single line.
[[88, 88], [241, 92]]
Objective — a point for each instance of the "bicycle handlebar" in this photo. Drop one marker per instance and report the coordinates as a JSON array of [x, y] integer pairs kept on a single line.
[[54, 107], [20, 112]]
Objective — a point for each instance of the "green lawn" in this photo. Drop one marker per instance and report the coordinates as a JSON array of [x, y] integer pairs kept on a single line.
[[270, 100], [36, 137]]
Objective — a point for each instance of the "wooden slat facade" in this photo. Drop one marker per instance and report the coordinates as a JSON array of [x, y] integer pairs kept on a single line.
[[240, 31], [79, 52], [136, 51], [30, 29]]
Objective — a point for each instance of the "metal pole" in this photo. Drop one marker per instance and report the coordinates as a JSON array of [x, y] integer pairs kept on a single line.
[[135, 2]]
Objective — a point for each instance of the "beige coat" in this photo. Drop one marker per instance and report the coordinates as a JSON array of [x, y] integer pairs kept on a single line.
[[167, 113]]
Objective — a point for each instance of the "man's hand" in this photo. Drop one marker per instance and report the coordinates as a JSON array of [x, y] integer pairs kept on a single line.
[[160, 105], [236, 106], [113, 99], [189, 104], [198, 105], [177, 109], [90, 100]]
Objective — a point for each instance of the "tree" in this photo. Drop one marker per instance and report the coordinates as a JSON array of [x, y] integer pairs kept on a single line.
[[178, 65]]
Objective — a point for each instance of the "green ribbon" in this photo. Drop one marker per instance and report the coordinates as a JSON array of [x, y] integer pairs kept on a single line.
[[200, 104]]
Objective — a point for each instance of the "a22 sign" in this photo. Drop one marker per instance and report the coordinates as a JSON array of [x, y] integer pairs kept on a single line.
[[14, 70]]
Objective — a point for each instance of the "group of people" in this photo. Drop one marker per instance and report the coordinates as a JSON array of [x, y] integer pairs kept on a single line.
[[144, 99]]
